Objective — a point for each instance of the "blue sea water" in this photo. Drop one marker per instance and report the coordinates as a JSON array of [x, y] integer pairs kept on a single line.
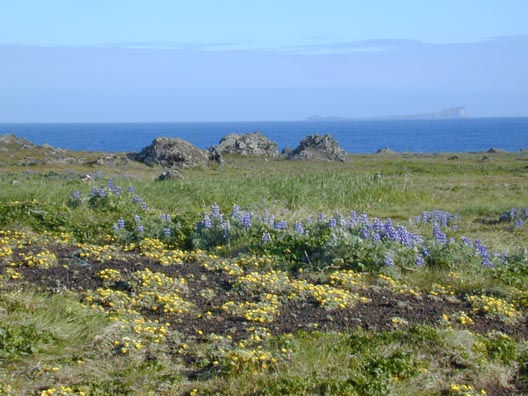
[[418, 136]]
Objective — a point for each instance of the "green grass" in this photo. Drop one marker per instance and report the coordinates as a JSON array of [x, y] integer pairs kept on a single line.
[[44, 330]]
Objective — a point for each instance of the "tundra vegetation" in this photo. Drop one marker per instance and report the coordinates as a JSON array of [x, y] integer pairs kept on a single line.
[[387, 274]]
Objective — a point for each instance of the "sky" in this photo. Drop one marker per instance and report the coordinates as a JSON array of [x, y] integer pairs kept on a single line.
[[161, 60]]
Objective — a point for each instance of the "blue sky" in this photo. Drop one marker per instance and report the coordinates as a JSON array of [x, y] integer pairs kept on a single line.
[[113, 60]]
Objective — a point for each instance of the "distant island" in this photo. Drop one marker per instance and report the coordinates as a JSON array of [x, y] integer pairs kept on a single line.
[[447, 114]]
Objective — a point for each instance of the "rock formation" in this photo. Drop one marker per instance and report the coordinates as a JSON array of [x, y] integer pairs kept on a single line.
[[13, 140], [318, 147], [247, 144], [172, 152]]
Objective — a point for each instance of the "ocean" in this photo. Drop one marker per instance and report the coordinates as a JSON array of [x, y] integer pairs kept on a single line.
[[416, 136]]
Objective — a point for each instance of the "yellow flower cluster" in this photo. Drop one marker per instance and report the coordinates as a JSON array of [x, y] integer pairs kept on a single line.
[[229, 267], [263, 311], [125, 345], [12, 274], [277, 282], [244, 359], [115, 300], [43, 259], [397, 287], [494, 307], [464, 390], [333, 298], [156, 250], [99, 253], [458, 317], [350, 280], [159, 292], [5, 389], [110, 275], [441, 291], [62, 391]]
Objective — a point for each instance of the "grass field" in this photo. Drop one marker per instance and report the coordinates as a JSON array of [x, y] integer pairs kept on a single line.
[[393, 274]]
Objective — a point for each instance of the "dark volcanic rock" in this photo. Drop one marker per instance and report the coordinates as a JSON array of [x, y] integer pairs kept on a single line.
[[248, 144], [173, 174], [172, 152], [318, 147], [385, 150]]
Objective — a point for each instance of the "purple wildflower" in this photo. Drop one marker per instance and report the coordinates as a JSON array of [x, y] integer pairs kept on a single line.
[[120, 223], [388, 260], [439, 235], [137, 219], [299, 229], [206, 223], [140, 229], [215, 211], [266, 237], [143, 206], [246, 220], [130, 189], [166, 231], [76, 194], [332, 223], [280, 225]]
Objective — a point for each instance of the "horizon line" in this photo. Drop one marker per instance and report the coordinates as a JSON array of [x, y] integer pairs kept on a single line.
[[343, 119]]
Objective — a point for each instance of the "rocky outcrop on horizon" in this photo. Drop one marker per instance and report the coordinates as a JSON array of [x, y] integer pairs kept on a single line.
[[247, 144], [446, 114], [172, 152], [319, 148]]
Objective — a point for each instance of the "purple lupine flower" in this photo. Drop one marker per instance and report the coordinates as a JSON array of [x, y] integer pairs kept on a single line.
[[121, 223], [332, 223], [235, 212], [130, 189], [110, 183], [454, 227], [426, 253], [76, 194], [451, 241], [143, 206], [94, 191], [439, 235], [353, 216], [299, 229], [363, 219], [166, 231], [375, 236], [266, 237], [140, 229], [280, 225], [101, 192], [320, 216], [365, 232], [404, 236], [467, 242], [388, 260], [420, 261], [137, 219], [246, 220], [116, 190], [215, 212], [519, 223], [206, 223], [165, 217], [136, 199]]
